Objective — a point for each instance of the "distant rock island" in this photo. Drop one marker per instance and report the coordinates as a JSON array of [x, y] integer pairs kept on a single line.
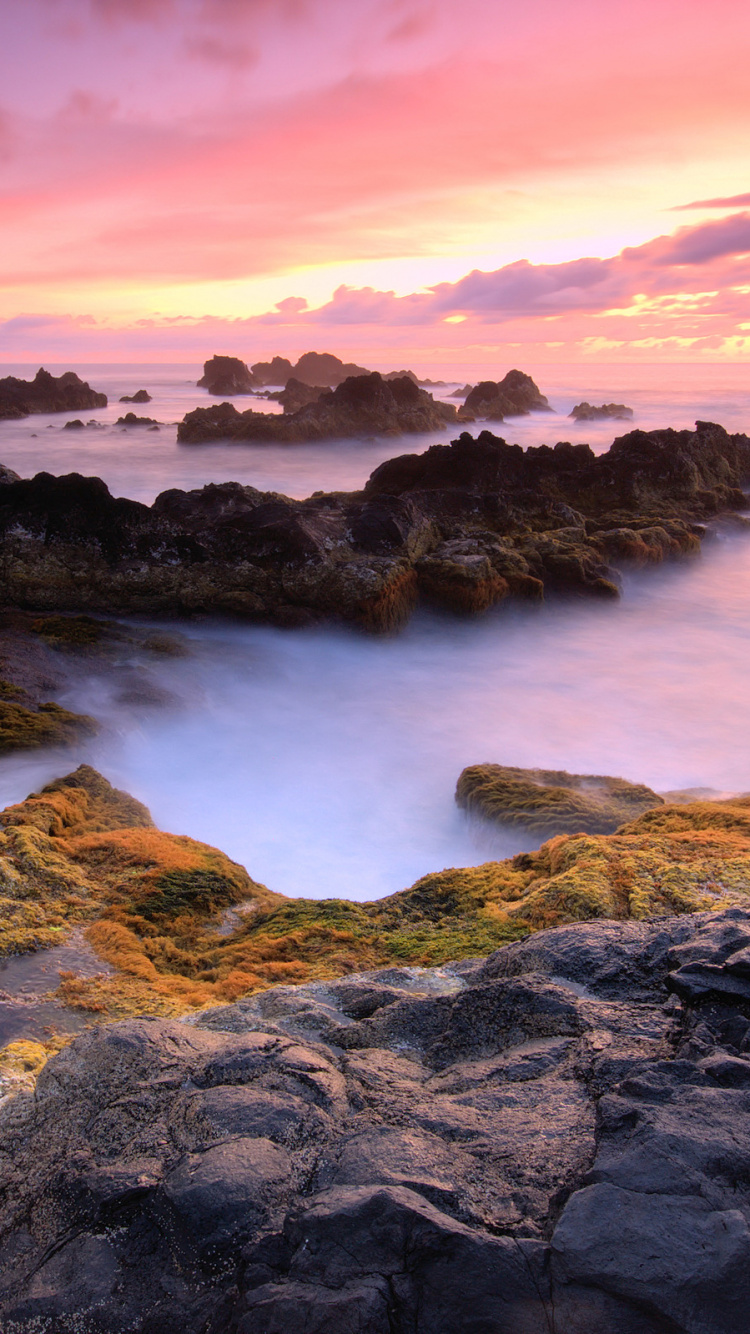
[[141, 396], [230, 375], [514, 396], [587, 412], [46, 393], [362, 405]]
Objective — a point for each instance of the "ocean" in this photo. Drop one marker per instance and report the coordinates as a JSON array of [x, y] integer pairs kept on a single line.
[[325, 761]]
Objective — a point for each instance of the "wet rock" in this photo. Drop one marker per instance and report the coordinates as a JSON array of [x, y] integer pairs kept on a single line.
[[226, 375], [140, 396], [552, 800], [587, 412], [47, 393]]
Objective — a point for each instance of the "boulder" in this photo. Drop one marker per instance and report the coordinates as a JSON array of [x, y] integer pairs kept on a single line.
[[47, 393], [225, 375], [514, 396], [552, 801]]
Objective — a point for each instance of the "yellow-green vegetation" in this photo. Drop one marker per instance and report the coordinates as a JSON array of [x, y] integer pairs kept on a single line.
[[551, 801], [73, 632], [153, 903], [24, 728], [20, 1063]]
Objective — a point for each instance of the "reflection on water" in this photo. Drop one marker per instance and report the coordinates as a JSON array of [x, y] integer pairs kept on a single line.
[[25, 981], [326, 761]]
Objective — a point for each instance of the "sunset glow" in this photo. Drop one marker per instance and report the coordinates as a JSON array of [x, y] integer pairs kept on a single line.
[[420, 175]]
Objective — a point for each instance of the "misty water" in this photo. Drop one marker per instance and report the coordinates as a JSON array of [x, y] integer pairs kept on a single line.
[[326, 761]]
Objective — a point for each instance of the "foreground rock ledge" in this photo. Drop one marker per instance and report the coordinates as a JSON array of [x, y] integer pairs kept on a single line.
[[553, 1138]]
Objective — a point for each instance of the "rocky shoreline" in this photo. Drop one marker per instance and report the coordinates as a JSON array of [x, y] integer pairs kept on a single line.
[[553, 1137], [462, 526]]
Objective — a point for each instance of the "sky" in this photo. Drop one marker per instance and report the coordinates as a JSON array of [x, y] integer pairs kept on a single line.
[[419, 181]]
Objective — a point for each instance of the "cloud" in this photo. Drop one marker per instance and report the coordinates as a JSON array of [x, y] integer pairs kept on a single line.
[[730, 201], [234, 55]]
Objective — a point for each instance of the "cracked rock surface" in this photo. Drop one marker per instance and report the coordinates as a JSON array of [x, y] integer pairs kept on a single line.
[[553, 1140]]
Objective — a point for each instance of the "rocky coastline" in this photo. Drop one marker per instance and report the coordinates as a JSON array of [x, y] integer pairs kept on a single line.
[[47, 393], [462, 526]]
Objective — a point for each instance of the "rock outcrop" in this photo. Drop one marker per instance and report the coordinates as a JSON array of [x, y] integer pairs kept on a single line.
[[587, 412], [276, 371], [297, 394], [141, 396], [361, 405], [226, 375], [464, 525], [47, 393], [552, 801], [514, 396], [555, 1137]]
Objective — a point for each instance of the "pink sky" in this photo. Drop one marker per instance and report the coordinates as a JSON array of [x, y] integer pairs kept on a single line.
[[395, 179]]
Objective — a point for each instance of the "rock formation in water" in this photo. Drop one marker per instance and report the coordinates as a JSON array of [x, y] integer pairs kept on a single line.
[[361, 405], [46, 393], [276, 371], [554, 1137], [463, 525], [227, 375], [296, 394], [587, 412], [551, 801], [141, 396], [514, 396], [131, 419]]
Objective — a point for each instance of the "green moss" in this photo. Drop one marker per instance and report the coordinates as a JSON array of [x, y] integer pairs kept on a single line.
[[177, 892], [552, 801], [74, 632], [22, 728]]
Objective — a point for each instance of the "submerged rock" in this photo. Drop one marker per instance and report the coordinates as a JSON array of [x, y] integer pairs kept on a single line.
[[586, 412], [539, 1139], [47, 393], [514, 396], [552, 801]]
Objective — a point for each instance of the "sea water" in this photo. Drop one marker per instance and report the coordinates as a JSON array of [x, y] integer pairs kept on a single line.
[[326, 761]]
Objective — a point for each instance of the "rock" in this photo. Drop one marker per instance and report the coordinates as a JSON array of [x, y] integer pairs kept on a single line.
[[47, 393], [130, 419], [586, 412], [276, 371], [360, 405], [462, 525], [225, 375], [323, 368], [552, 800], [23, 728], [75, 425], [548, 1141], [297, 394], [513, 396], [461, 393], [140, 396]]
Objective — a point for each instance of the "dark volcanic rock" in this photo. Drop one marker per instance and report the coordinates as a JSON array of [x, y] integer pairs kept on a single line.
[[297, 394], [323, 368], [276, 371], [540, 1140], [226, 375], [587, 412], [141, 396], [130, 419], [361, 405], [464, 524], [513, 396], [47, 393]]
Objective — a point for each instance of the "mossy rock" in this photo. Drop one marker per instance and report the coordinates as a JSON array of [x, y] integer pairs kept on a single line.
[[73, 632], [22, 728], [552, 801]]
